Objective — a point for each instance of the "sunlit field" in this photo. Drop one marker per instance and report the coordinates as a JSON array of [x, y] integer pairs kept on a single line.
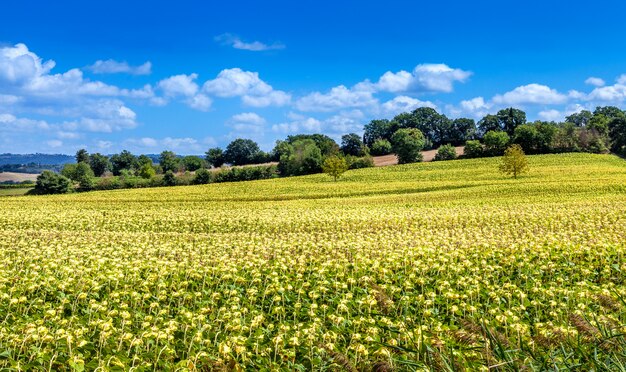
[[443, 266]]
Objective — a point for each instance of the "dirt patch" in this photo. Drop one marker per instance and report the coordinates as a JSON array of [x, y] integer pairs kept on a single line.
[[381, 161], [17, 177]]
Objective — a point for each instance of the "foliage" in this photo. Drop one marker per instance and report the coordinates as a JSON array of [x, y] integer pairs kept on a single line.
[[327, 145], [215, 157], [99, 163], [473, 149], [380, 147], [580, 119], [359, 162], [248, 173], [445, 152], [203, 176], [510, 118], [123, 160], [242, 151], [514, 161], [169, 162], [49, 182], [617, 131], [407, 144], [351, 144], [146, 171], [299, 158], [379, 129], [411, 267], [496, 142], [335, 166], [192, 163], [82, 156], [169, 179]]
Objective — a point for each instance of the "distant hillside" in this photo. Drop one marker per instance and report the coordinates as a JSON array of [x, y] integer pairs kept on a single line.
[[42, 159]]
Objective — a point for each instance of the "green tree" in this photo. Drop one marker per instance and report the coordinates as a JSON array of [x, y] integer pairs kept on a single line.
[[408, 144], [514, 161], [241, 151], [580, 119], [82, 156], [527, 136], [488, 123], [617, 132], [381, 147], [375, 130], [123, 160], [327, 145], [462, 129], [99, 163], [215, 157], [143, 160], [445, 152], [335, 166], [496, 142], [69, 171], [147, 171], [473, 149], [433, 125], [301, 157], [351, 144], [84, 176], [169, 161], [192, 163], [510, 118], [49, 182]]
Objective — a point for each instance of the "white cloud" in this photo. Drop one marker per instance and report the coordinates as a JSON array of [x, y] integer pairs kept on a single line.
[[551, 115], [621, 79], [184, 145], [595, 81], [179, 85], [255, 92], [612, 93], [111, 66], [54, 143], [200, 102], [531, 93], [305, 125], [428, 77], [254, 46], [104, 144], [246, 123], [401, 104], [337, 98]]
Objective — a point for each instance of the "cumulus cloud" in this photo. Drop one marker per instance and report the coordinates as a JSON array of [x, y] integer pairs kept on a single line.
[[235, 82], [254, 46], [551, 115], [339, 97], [595, 81], [425, 78], [111, 66], [612, 93], [246, 123], [183, 145], [401, 104], [531, 93], [179, 85]]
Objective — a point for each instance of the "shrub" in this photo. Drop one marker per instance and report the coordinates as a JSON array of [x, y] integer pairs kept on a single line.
[[49, 182], [202, 177], [359, 162], [473, 149], [301, 157], [381, 147], [147, 171], [408, 144], [169, 179], [445, 152]]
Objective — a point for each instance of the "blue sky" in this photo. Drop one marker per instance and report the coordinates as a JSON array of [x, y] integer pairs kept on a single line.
[[189, 75]]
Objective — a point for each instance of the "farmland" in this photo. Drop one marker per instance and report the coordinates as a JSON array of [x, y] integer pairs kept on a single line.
[[443, 265]]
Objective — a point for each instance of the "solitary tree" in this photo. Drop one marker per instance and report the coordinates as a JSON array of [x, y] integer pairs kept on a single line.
[[241, 151], [408, 144], [514, 161], [335, 166]]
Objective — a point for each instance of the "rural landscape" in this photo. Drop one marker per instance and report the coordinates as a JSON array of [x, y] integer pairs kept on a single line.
[[342, 219]]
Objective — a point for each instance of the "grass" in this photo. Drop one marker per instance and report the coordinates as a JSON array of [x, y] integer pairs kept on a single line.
[[444, 266], [14, 191]]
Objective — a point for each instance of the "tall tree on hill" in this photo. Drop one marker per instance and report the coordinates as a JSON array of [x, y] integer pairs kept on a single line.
[[169, 161], [82, 156], [510, 118], [99, 164], [242, 151]]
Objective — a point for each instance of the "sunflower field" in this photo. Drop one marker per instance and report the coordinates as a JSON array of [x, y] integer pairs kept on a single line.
[[435, 266]]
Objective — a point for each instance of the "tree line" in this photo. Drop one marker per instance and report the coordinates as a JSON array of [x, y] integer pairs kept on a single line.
[[406, 135]]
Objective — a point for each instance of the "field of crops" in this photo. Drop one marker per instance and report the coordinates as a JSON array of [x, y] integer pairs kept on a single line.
[[442, 266]]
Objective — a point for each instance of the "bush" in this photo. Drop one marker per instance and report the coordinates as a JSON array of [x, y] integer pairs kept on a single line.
[[445, 152], [147, 171], [496, 142], [301, 157], [473, 149], [169, 179], [408, 144], [245, 174], [381, 147], [202, 177], [359, 162], [49, 182]]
